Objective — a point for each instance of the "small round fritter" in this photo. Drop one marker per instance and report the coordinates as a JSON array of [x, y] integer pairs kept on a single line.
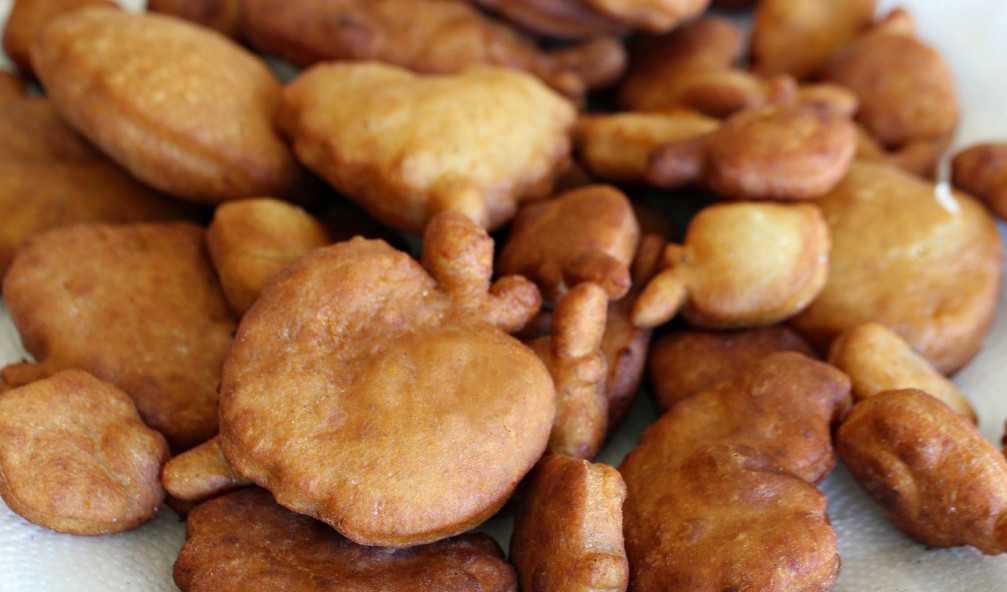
[[724, 517], [684, 363], [783, 152], [929, 468], [589, 234], [245, 541], [137, 305], [798, 37], [200, 473], [906, 89], [181, 107], [924, 262], [383, 397], [408, 146], [568, 531], [75, 457], [251, 240], [876, 359], [741, 265], [982, 171]]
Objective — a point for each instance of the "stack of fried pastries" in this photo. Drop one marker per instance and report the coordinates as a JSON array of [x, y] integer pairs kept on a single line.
[[443, 236]]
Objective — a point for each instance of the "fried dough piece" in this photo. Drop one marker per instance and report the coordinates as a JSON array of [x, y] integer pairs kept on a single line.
[[146, 312], [797, 37], [718, 488], [75, 457], [616, 147], [386, 398], [223, 16], [182, 108], [656, 16], [570, 19], [876, 359], [782, 152], [586, 235], [28, 18], [662, 68], [725, 517], [568, 530], [624, 344], [572, 353], [745, 409], [251, 240], [408, 147], [742, 265], [686, 362], [198, 474], [929, 468], [50, 177], [906, 89], [902, 253], [982, 171], [244, 540], [426, 36]]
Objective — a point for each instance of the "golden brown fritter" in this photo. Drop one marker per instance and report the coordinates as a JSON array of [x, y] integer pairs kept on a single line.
[[718, 492], [589, 234], [244, 540], [142, 310], [741, 265], [685, 362], [251, 240], [572, 353], [876, 359], [28, 18], [929, 468], [902, 252], [982, 171], [426, 36], [905, 88], [568, 530], [781, 152], [182, 108], [616, 147], [75, 457], [798, 37], [725, 517], [386, 398], [408, 147], [200, 473]]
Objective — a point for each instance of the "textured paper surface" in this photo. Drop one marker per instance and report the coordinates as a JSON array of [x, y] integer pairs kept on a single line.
[[972, 34]]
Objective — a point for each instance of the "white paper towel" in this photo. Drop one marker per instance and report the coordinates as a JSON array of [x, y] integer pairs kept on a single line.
[[972, 35]]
